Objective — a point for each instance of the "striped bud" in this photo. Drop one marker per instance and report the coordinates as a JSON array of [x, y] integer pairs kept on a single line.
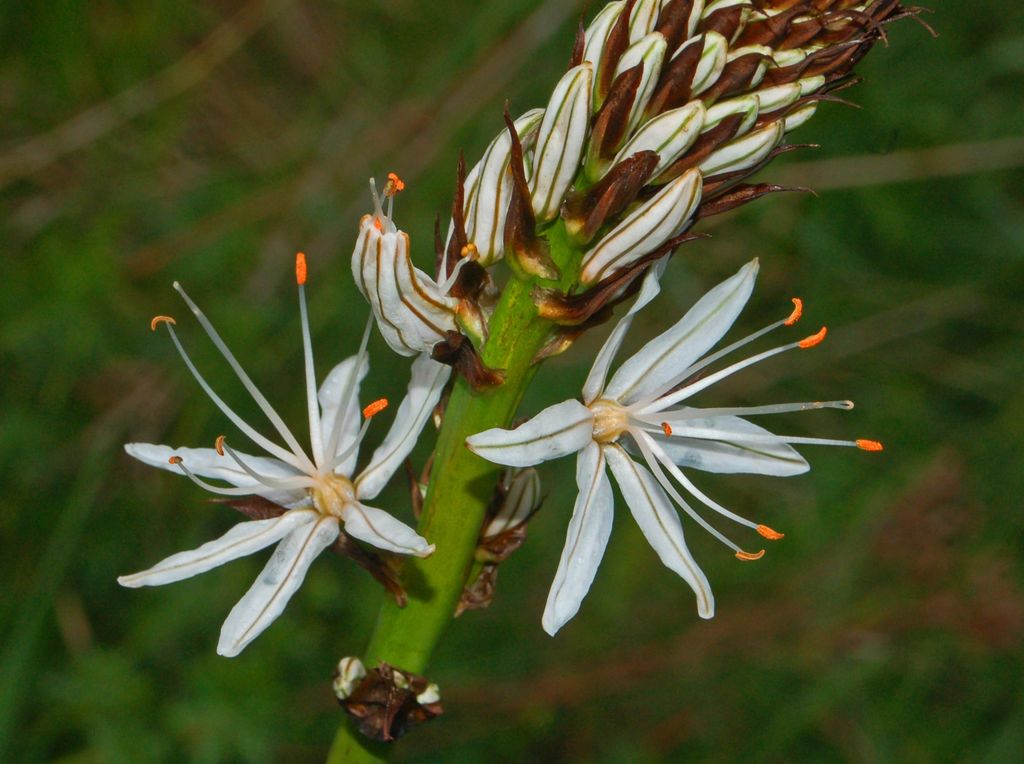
[[745, 107], [669, 135], [522, 497], [648, 52], [645, 229], [488, 188], [746, 152], [643, 19], [560, 141], [412, 311]]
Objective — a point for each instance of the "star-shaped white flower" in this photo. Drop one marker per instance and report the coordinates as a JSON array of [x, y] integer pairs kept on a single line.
[[318, 488], [641, 411]]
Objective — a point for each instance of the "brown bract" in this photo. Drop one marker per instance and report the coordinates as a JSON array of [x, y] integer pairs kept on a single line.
[[384, 705]]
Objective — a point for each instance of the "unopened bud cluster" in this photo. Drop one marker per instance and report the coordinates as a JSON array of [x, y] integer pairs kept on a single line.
[[666, 108]]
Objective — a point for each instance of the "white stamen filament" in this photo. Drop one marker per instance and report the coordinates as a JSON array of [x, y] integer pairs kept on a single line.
[[653, 463], [681, 415], [287, 484], [341, 414], [248, 430], [354, 445], [686, 483], [741, 437], [235, 491], [257, 396], [695, 387], [450, 281], [315, 436]]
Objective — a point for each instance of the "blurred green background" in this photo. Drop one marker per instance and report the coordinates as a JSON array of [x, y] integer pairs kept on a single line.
[[208, 141]]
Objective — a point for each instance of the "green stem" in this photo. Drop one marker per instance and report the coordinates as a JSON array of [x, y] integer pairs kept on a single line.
[[461, 484]]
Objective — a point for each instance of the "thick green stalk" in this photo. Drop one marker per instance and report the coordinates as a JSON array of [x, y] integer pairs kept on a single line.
[[461, 484]]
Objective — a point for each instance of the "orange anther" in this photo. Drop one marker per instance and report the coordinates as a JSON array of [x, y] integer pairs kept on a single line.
[[768, 533], [175, 460], [798, 310], [395, 185], [869, 445], [157, 320], [470, 251], [218, 445], [300, 268], [666, 428], [377, 224], [814, 339], [748, 556], [375, 408]]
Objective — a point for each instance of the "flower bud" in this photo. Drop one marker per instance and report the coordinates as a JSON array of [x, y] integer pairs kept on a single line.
[[560, 141], [778, 97], [522, 497], [747, 107], [643, 19], [645, 229], [604, 37], [650, 52], [669, 135], [488, 188], [412, 311], [797, 118], [727, 17], [347, 676], [746, 152]]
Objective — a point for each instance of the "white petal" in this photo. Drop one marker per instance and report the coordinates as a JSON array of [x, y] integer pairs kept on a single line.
[[659, 523], [556, 431], [425, 386], [730, 454], [241, 540], [338, 386], [277, 582], [207, 463], [585, 540], [664, 361], [377, 527], [650, 288]]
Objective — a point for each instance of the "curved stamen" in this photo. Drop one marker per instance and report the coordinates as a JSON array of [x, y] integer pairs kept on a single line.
[[261, 401], [695, 387], [312, 406], [659, 474], [236, 491], [686, 483], [707, 360], [449, 282], [287, 484], [368, 414], [250, 432]]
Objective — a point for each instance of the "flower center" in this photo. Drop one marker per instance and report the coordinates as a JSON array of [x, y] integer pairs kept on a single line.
[[331, 493], [610, 420]]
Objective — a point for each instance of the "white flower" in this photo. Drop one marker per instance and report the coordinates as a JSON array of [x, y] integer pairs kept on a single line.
[[316, 487], [641, 411], [412, 310]]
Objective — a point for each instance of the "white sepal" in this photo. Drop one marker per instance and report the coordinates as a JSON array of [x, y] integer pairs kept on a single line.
[[243, 539], [645, 229], [556, 431], [560, 141], [585, 540], [207, 463], [278, 581], [489, 186], [426, 382], [650, 52], [670, 135], [659, 523], [649, 289], [657, 366], [729, 445], [745, 152], [339, 387], [384, 531]]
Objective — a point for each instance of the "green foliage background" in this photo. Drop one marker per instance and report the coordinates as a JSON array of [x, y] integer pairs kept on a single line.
[[208, 141]]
